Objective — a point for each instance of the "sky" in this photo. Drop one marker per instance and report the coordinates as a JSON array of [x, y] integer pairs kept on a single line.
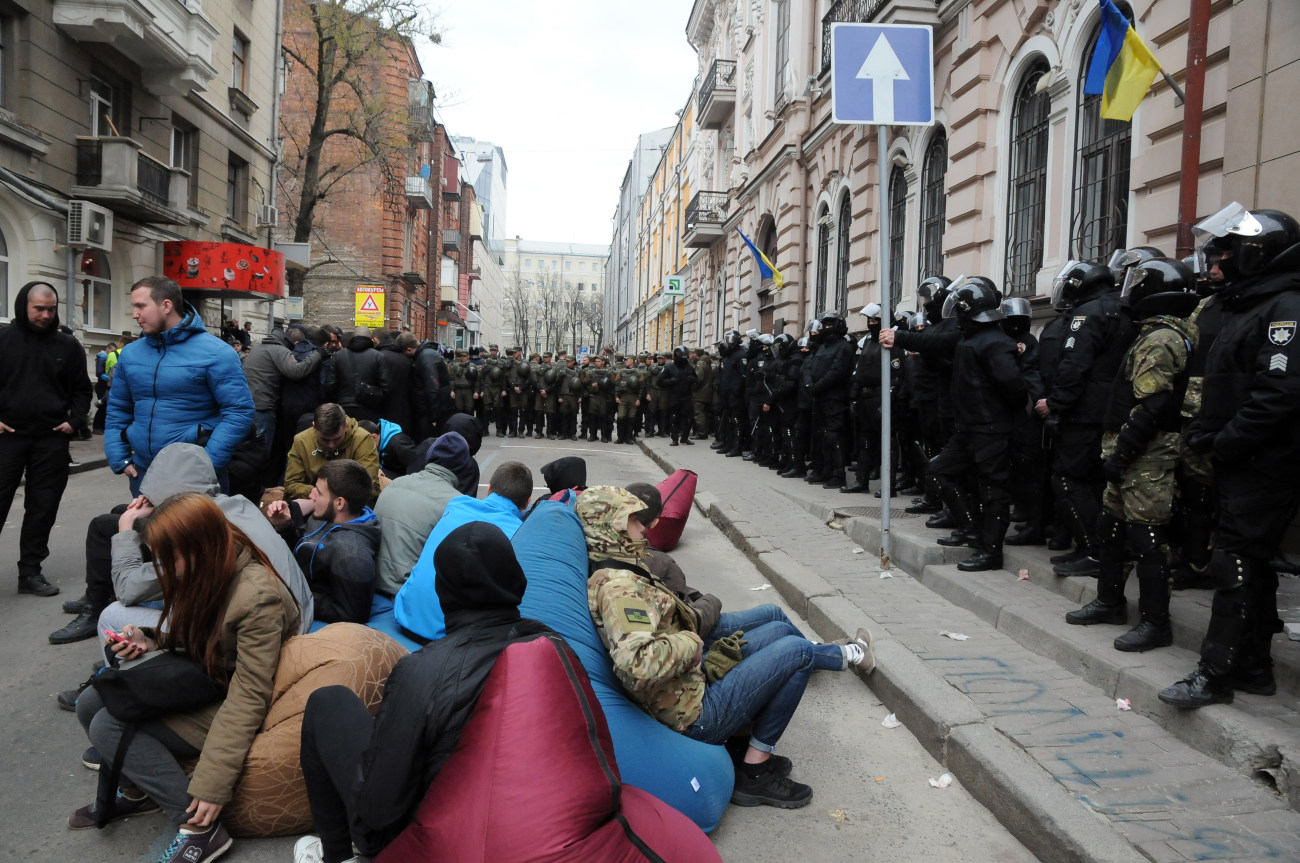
[[564, 88]]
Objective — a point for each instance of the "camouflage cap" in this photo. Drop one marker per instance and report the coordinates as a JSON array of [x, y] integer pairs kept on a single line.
[[618, 358], [516, 350], [604, 511], [461, 352], [535, 356], [493, 348], [547, 355]]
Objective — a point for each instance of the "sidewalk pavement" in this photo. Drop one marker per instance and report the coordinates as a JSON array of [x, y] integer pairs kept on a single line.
[[87, 454], [1024, 712]]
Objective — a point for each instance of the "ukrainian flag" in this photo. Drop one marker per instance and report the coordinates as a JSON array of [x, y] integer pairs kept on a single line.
[[766, 269], [1122, 67]]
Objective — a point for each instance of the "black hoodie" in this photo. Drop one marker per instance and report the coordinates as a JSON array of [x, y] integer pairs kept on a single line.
[[43, 378], [431, 694]]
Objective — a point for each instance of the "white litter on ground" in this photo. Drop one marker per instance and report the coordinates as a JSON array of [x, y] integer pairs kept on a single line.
[[943, 781], [891, 721], [955, 636]]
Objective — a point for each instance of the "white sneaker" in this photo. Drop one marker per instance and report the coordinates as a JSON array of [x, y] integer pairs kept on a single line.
[[308, 850], [858, 653]]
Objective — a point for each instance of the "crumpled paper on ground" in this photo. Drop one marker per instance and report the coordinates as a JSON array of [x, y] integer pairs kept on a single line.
[[891, 721], [1023, 575], [761, 587], [1123, 704], [955, 636], [942, 782], [885, 573]]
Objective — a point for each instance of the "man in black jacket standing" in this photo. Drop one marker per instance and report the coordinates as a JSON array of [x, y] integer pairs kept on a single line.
[[44, 395], [1248, 422], [677, 381], [826, 378], [357, 377], [992, 389]]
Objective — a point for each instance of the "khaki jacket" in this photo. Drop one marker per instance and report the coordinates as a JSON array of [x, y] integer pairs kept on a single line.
[[306, 460]]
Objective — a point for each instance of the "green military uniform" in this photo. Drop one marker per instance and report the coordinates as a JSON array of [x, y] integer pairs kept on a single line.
[[548, 383], [462, 382], [491, 385], [646, 628], [568, 397], [645, 414], [629, 392], [702, 394], [599, 386], [518, 377]]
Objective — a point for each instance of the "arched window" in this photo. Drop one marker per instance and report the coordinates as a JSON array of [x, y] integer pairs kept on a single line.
[[823, 257], [1027, 190], [1099, 222], [933, 205], [897, 233], [7, 307], [845, 222], [94, 290]]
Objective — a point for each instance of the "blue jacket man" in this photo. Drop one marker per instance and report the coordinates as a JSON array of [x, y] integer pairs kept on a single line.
[[416, 606], [179, 383]]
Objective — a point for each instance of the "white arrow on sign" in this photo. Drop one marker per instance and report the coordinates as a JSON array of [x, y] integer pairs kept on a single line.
[[883, 68]]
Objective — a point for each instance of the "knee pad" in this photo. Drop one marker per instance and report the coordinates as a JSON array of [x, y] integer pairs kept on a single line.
[[1228, 572], [1149, 542]]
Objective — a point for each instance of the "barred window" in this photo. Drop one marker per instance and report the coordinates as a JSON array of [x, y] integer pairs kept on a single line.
[[842, 262], [823, 257], [897, 233], [933, 205], [1099, 221], [1027, 196]]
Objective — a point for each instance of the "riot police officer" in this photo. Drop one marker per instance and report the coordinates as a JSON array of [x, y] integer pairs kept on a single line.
[[731, 384], [1140, 447], [1249, 411], [826, 379]]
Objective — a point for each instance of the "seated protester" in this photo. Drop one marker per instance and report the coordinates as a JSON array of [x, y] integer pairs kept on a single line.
[[335, 537], [468, 428], [708, 691], [226, 608], [565, 473], [416, 606], [333, 435], [397, 452], [714, 623], [410, 507], [366, 777]]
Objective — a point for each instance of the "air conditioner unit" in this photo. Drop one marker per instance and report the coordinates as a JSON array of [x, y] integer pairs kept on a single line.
[[90, 226], [267, 216]]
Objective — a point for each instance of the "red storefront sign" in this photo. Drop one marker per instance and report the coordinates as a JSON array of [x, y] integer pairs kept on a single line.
[[225, 267]]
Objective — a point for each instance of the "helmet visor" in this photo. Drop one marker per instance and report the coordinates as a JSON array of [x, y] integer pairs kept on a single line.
[[1016, 307], [1132, 279], [1232, 219], [950, 304], [1060, 282]]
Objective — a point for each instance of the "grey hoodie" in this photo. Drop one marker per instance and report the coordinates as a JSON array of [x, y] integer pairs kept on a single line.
[[185, 467]]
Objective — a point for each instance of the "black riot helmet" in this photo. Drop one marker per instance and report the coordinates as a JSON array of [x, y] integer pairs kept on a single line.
[[932, 292], [1246, 243], [1204, 284], [903, 320], [813, 332], [833, 325], [679, 355], [783, 345], [973, 300], [1161, 286], [1078, 279], [1123, 260], [730, 343], [1016, 316]]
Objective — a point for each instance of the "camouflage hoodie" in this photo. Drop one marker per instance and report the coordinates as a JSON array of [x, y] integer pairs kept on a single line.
[[641, 623]]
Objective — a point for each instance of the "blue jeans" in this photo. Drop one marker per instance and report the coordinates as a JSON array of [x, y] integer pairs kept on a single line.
[[826, 657], [764, 690], [264, 422]]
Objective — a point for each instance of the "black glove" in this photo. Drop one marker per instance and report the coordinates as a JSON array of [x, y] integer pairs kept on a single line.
[[1198, 440], [1113, 468]]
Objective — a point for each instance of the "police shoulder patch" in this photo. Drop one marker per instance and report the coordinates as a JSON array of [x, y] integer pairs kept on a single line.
[[1281, 332], [1077, 322], [893, 364]]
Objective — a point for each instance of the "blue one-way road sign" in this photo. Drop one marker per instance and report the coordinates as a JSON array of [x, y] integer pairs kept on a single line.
[[882, 73]]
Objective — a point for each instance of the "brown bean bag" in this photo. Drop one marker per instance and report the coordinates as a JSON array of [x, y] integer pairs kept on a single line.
[[271, 799]]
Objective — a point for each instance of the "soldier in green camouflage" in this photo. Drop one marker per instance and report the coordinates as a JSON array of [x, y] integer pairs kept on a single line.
[[599, 387], [702, 393], [462, 382], [491, 384], [1140, 445], [629, 390], [568, 396], [660, 659], [518, 377]]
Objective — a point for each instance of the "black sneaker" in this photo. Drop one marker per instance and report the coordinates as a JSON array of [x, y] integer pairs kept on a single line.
[[123, 807], [75, 606], [82, 627], [1197, 689], [197, 847], [36, 585], [768, 788], [68, 697], [92, 759]]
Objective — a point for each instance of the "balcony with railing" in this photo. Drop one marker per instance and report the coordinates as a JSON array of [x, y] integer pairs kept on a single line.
[[705, 215], [450, 240], [172, 42], [117, 173], [846, 11], [717, 97], [419, 193]]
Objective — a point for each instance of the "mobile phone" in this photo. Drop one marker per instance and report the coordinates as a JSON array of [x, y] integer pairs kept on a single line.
[[116, 636]]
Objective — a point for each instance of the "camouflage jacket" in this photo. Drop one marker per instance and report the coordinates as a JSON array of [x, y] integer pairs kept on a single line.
[[1196, 382], [641, 622], [462, 374], [629, 383], [1156, 359]]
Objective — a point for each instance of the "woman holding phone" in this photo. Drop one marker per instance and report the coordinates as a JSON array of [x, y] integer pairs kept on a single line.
[[226, 609]]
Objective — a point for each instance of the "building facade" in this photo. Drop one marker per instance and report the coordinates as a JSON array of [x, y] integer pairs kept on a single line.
[[1017, 175], [624, 271], [129, 126], [554, 296]]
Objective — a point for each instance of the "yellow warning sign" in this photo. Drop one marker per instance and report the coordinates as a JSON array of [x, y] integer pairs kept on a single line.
[[370, 306]]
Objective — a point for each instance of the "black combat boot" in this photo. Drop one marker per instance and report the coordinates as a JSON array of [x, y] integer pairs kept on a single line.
[[1153, 629], [1198, 689]]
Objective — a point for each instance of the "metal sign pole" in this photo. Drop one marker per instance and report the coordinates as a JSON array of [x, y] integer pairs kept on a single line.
[[886, 314]]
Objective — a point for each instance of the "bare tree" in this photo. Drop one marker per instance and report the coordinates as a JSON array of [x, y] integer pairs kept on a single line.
[[593, 316], [519, 310], [341, 47]]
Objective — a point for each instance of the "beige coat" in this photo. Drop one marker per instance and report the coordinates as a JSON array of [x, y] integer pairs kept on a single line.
[[260, 617]]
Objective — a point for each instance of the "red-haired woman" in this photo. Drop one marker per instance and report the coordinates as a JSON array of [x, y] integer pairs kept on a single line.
[[225, 607]]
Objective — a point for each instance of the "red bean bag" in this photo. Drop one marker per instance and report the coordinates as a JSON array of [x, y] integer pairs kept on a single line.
[[533, 778], [678, 494]]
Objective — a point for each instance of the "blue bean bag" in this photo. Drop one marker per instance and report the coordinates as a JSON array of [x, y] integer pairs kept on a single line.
[[383, 619], [694, 778]]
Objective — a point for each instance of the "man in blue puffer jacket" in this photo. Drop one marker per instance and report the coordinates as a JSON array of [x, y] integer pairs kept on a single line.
[[178, 383]]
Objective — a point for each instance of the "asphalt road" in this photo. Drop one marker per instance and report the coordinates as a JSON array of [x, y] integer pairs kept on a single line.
[[872, 799]]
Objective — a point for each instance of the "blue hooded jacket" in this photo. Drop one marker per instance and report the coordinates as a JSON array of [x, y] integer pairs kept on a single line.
[[181, 385]]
